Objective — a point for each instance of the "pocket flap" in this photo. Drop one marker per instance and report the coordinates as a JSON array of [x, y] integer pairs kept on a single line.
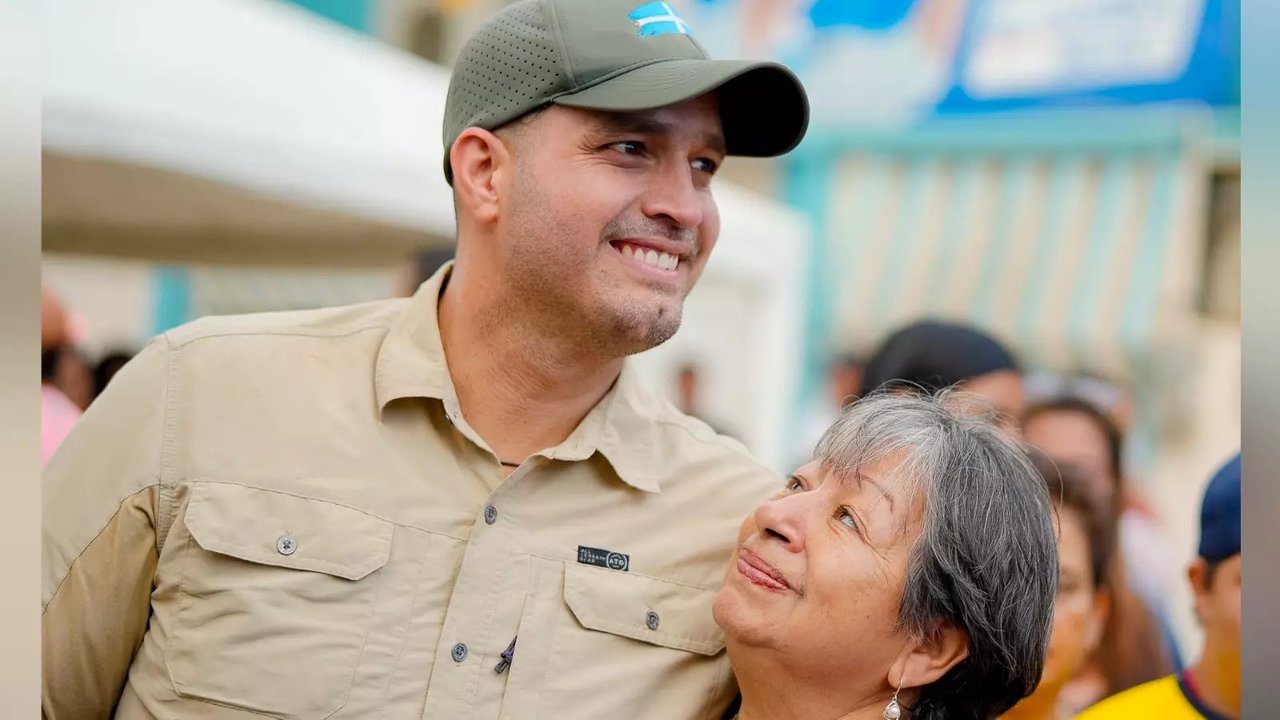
[[272, 528], [621, 603]]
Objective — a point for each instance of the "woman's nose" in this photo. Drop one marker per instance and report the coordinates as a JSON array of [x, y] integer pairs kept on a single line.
[[781, 521]]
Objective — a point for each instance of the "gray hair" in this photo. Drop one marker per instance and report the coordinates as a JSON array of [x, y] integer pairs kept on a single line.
[[986, 560]]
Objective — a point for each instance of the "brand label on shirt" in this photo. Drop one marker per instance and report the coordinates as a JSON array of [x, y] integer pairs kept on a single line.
[[603, 558]]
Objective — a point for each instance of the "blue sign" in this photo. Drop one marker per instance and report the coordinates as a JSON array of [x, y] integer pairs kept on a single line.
[[894, 61], [1015, 54]]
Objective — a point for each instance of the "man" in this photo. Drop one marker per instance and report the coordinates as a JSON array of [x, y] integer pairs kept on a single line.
[[1211, 687], [459, 505]]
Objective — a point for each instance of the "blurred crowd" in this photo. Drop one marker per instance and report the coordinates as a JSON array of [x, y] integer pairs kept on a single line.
[[69, 381], [1112, 629]]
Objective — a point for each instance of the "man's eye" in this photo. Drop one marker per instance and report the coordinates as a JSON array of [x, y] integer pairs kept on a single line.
[[706, 165], [628, 147]]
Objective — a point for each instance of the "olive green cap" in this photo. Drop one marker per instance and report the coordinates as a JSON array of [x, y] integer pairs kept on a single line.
[[620, 56]]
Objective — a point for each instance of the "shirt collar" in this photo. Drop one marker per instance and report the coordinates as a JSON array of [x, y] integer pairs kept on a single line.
[[1187, 684], [622, 426], [411, 360]]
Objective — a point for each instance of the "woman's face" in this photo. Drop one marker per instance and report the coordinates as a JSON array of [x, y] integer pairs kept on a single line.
[[1079, 613], [819, 574], [1003, 389], [1072, 437]]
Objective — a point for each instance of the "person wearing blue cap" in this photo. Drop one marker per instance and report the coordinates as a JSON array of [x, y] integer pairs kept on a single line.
[[1211, 687]]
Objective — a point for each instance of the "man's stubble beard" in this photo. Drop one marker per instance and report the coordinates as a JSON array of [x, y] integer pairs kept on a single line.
[[549, 291]]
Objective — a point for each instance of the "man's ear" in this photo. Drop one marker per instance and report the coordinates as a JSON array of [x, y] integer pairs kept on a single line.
[[480, 162], [925, 660], [1198, 576]]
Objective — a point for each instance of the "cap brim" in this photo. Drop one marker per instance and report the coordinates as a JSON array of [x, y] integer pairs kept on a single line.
[[763, 107]]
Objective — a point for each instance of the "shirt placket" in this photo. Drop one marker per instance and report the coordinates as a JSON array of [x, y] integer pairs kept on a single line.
[[468, 636], [470, 641]]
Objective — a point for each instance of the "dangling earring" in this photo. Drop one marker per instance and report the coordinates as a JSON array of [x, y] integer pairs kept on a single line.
[[893, 710]]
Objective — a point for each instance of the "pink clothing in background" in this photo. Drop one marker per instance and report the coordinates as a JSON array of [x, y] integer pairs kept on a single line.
[[57, 416]]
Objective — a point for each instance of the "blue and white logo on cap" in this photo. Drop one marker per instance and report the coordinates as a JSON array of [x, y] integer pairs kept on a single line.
[[658, 18]]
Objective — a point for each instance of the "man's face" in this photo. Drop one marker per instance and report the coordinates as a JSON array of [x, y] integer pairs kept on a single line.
[[611, 218]]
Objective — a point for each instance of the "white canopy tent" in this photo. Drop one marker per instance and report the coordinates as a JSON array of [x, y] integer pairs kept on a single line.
[[237, 131], [250, 132]]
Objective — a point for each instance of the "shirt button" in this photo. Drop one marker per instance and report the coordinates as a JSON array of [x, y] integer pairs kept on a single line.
[[286, 545], [459, 652], [490, 514], [651, 620]]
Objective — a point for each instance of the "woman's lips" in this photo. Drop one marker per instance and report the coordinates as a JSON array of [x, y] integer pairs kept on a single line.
[[760, 572]]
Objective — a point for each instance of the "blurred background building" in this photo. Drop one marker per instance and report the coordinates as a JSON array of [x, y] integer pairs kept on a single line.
[[1063, 173]]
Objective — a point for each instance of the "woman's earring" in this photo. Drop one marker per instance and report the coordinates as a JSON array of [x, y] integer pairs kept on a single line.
[[892, 711]]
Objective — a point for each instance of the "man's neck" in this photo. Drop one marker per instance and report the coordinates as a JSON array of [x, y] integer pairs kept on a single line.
[[520, 390], [1216, 679]]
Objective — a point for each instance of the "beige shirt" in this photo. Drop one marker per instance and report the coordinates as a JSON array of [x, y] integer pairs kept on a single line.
[[287, 515]]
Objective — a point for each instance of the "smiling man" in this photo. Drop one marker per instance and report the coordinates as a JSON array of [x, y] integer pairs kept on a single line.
[[460, 504]]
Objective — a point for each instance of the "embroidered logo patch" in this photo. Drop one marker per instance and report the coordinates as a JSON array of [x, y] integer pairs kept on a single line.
[[603, 558], [658, 18]]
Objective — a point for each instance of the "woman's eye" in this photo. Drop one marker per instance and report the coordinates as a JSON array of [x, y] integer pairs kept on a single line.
[[847, 519]]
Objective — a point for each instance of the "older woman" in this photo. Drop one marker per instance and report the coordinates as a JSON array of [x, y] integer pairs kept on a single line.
[[909, 571]]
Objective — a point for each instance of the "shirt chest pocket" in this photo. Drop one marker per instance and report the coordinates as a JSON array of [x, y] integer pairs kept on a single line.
[[630, 644], [275, 600], [642, 608]]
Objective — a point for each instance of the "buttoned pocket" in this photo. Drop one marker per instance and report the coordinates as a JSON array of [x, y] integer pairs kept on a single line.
[[642, 608], [622, 643], [275, 601]]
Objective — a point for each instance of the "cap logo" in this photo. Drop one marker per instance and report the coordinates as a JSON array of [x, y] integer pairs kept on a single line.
[[658, 18]]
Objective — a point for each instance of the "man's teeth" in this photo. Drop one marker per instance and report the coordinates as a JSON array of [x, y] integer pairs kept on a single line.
[[651, 257]]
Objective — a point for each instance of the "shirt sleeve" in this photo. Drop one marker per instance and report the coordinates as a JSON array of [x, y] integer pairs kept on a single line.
[[100, 506]]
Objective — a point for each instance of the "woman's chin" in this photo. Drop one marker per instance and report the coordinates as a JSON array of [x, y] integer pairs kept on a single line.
[[734, 612]]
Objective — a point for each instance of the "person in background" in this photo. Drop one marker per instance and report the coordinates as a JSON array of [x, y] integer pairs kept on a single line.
[[74, 376], [58, 413], [1138, 644], [930, 355], [107, 367], [1086, 527], [1075, 429], [1210, 688]]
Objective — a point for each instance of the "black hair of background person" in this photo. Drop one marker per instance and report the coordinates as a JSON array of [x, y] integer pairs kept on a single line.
[[933, 354], [107, 367]]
